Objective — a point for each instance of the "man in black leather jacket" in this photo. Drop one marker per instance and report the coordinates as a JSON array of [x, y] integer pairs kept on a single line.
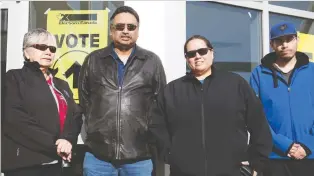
[[117, 86]]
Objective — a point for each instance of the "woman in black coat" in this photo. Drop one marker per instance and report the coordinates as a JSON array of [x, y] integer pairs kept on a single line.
[[41, 121]]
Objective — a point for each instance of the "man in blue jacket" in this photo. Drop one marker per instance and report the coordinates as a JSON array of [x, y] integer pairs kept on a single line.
[[284, 82]]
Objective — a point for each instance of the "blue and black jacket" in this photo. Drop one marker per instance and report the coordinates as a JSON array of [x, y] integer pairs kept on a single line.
[[289, 106]]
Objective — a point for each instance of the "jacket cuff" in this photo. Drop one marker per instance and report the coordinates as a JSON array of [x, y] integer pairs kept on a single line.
[[307, 150], [289, 148]]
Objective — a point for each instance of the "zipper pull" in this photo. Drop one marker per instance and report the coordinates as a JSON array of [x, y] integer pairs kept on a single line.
[[289, 89]]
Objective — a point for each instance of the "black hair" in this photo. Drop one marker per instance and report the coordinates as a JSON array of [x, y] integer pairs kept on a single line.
[[125, 9], [209, 45]]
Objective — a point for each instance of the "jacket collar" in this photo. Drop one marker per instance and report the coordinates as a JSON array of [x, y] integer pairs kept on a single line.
[[35, 67], [139, 52], [190, 76], [269, 60]]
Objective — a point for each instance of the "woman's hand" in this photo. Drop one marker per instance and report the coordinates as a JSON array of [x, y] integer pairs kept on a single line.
[[64, 149]]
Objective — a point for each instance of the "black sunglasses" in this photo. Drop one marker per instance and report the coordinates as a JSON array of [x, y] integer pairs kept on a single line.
[[43, 47], [121, 26], [201, 51]]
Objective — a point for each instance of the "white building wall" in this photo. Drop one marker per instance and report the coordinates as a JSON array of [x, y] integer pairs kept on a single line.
[[17, 27], [163, 31]]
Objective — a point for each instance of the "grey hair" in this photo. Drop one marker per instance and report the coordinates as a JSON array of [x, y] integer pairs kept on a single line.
[[35, 36]]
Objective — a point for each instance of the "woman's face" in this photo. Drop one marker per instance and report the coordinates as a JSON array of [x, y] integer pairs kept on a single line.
[[42, 51], [201, 61]]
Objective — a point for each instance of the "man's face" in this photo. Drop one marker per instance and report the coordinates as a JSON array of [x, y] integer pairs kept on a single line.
[[199, 61], [285, 46], [124, 30]]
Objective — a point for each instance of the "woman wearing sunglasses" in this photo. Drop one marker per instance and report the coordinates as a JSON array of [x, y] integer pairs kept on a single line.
[[201, 120], [41, 121]]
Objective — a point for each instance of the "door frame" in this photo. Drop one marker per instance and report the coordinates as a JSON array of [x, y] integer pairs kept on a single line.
[[18, 19]]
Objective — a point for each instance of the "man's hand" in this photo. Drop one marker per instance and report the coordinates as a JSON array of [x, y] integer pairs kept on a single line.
[[297, 152], [293, 149], [300, 153], [64, 149]]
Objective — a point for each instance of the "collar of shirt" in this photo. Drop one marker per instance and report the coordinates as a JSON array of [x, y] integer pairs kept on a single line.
[[116, 57]]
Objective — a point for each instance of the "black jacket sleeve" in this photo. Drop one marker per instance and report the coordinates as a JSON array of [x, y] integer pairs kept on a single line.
[[18, 124], [159, 84], [260, 136], [83, 88], [160, 76], [158, 127]]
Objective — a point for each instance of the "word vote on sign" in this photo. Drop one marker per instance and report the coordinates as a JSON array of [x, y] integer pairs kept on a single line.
[[77, 33]]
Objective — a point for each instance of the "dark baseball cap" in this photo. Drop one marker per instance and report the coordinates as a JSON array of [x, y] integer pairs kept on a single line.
[[282, 29]]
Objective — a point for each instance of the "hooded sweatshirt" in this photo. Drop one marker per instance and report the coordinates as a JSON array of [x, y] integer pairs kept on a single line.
[[289, 106]]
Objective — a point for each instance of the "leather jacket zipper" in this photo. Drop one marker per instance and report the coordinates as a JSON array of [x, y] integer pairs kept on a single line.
[[120, 83], [118, 123]]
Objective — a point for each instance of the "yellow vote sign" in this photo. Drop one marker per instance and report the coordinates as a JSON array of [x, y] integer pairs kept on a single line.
[[77, 33], [306, 44]]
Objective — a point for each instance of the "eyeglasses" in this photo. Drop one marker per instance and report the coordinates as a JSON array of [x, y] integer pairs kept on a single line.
[[285, 39], [43, 47], [121, 26], [201, 51]]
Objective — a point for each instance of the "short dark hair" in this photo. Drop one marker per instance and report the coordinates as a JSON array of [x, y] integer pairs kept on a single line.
[[125, 9], [209, 45]]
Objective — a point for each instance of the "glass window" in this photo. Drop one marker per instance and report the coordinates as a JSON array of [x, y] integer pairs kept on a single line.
[[234, 32], [304, 26], [301, 5], [4, 35]]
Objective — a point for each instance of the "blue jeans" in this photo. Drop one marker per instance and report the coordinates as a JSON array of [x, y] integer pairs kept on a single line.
[[95, 167]]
